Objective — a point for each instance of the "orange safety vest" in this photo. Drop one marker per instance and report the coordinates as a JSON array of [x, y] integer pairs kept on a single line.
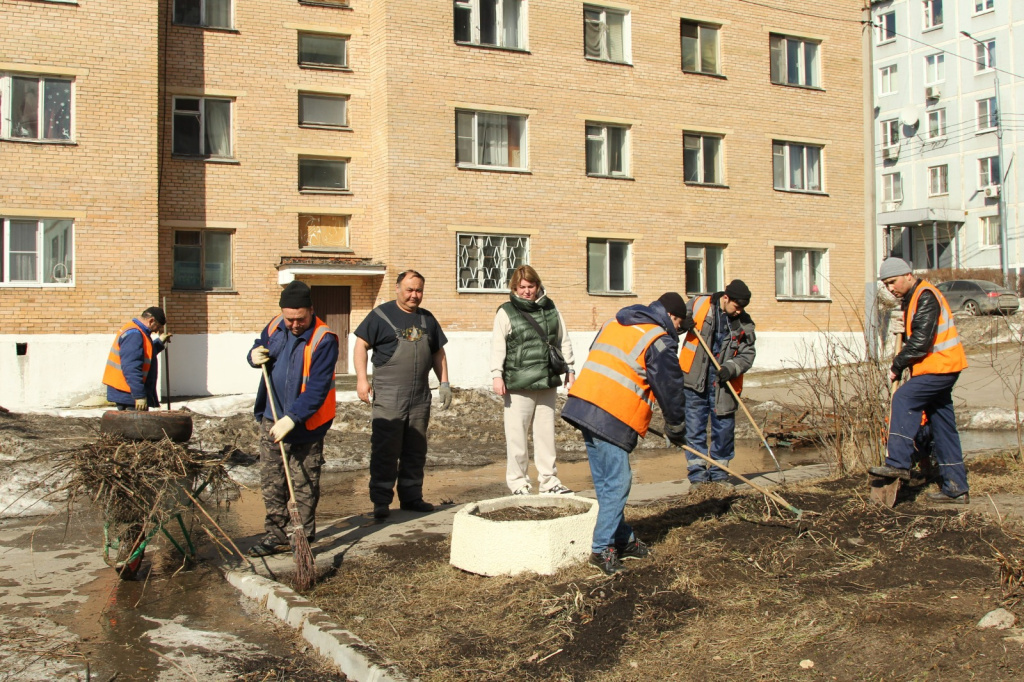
[[328, 409], [614, 377], [688, 351], [113, 376], [947, 353]]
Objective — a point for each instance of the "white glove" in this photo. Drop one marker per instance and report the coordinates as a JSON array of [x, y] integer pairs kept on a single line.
[[165, 337], [142, 405], [281, 429], [259, 356]]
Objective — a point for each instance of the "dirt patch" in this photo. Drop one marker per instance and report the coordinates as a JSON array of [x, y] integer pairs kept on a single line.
[[733, 591], [530, 513]]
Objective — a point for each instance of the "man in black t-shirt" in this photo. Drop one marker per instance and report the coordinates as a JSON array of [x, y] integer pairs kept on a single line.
[[407, 343]]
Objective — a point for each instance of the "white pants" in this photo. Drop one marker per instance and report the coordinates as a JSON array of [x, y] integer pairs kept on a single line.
[[521, 408]]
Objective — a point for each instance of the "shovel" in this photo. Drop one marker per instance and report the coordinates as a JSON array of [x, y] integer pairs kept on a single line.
[[884, 490]]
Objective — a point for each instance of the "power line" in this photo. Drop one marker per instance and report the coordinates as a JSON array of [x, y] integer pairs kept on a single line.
[[936, 47]]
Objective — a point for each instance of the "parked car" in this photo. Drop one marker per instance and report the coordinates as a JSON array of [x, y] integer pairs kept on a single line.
[[978, 297]]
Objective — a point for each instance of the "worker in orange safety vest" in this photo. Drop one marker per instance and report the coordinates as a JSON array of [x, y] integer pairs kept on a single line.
[[131, 372]]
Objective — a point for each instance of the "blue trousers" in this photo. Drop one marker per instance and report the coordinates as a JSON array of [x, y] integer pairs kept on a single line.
[[933, 395], [609, 469], [700, 408]]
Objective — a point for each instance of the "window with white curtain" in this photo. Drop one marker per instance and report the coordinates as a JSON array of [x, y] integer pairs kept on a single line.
[[932, 13], [938, 180], [323, 51], [322, 110], [37, 251], [609, 266], [323, 175], [606, 34], [983, 5], [890, 132], [35, 107], [985, 55], [700, 47], [989, 225], [988, 172], [987, 119], [797, 167], [705, 268], [892, 187], [202, 127], [801, 273], [202, 259], [794, 61], [934, 68], [607, 150], [494, 23], [490, 139], [936, 124], [205, 13], [887, 80], [702, 159], [485, 262]]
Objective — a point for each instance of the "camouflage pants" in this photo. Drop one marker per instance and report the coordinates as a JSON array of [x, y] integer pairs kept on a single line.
[[305, 461]]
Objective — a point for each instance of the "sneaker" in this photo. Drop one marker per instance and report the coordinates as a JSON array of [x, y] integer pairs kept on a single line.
[[886, 471], [608, 561], [381, 510], [942, 498], [525, 490], [268, 546], [418, 506], [634, 549], [557, 490]]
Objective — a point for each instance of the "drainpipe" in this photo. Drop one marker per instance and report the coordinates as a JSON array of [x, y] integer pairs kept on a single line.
[[872, 323]]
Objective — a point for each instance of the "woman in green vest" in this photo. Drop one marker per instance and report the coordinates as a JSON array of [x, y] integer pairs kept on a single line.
[[525, 330]]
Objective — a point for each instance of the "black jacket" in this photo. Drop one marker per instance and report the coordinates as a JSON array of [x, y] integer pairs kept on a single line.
[[926, 318]]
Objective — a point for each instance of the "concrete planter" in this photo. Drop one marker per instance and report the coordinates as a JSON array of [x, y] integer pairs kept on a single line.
[[487, 547]]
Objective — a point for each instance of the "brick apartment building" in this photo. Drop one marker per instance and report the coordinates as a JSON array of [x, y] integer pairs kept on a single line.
[[206, 152]]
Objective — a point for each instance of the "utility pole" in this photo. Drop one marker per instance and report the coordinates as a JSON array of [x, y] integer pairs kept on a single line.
[[1001, 204]]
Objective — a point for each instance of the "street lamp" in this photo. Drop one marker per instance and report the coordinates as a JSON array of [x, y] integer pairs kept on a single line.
[[1001, 204]]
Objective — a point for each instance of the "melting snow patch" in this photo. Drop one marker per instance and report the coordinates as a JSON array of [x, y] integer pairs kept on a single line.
[[991, 418], [174, 634], [221, 406]]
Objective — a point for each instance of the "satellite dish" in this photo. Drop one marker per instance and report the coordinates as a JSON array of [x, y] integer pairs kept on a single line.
[[909, 117]]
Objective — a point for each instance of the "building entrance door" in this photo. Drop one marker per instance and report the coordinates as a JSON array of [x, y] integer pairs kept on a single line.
[[333, 305]]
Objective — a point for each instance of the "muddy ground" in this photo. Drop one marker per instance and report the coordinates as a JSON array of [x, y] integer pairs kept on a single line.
[[733, 591]]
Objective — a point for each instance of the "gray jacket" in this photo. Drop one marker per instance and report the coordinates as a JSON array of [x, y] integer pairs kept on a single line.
[[737, 353]]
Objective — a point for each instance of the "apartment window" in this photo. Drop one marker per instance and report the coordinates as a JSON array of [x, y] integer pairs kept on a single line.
[[938, 180], [202, 259], [35, 108], [794, 61], [320, 110], [988, 172], [486, 139], [205, 13], [496, 23], [705, 268], [892, 188], [702, 159], [983, 5], [934, 68], [323, 51], [936, 124], [323, 175], [890, 133], [796, 166], [990, 229], [932, 13], [486, 261], [609, 266], [606, 34], [886, 27], [323, 232], [985, 55], [887, 80], [987, 118], [700, 47], [801, 272], [37, 251], [202, 127], [607, 150]]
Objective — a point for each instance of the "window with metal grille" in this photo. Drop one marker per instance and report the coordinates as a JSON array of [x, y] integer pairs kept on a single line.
[[486, 261]]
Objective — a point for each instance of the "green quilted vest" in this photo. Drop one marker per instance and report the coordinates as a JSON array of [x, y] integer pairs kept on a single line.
[[526, 355]]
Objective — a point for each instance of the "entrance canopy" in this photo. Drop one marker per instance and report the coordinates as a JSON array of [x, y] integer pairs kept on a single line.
[[920, 216], [291, 267]]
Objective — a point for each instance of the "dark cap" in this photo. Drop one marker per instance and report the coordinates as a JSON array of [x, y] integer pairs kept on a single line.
[[738, 292], [296, 295], [674, 303], [157, 314]]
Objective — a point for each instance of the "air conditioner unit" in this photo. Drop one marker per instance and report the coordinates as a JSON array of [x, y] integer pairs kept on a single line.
[[992, 191], [890, 153], [932, 92]]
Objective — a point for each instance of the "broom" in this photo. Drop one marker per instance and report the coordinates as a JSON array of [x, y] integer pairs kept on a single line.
[[305, 570]]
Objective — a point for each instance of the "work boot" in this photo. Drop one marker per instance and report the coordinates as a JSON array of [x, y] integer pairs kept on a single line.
[[381, 510], [268, 546], [886, 471], [608, 561], [418, 506], [634, 549], [942, 498]]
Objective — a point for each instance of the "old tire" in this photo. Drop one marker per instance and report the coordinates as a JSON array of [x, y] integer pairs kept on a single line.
[[972, 308], [148, 425]]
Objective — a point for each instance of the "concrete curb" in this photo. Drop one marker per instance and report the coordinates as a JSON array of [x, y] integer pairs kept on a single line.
[[353, 657]]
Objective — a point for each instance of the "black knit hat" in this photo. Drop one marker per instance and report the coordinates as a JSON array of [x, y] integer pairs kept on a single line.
[[157, 314], [296, 295], [673, 303], [738, 292]]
